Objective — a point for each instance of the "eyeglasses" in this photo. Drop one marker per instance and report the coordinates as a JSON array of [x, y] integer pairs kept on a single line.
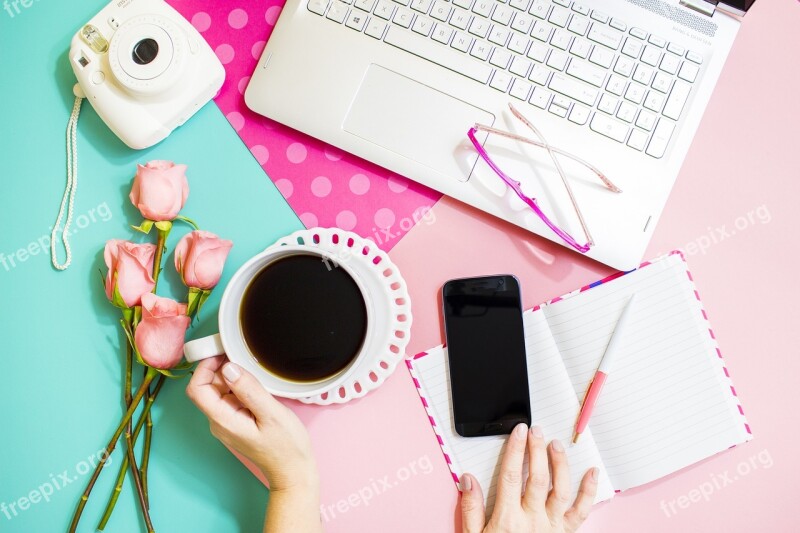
[[552, 151]]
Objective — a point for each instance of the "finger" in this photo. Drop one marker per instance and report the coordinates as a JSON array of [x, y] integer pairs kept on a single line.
[[473, 514], [558, 499], [579, 511], [201, 388], [250, 392], [509, 486], [538, 475]]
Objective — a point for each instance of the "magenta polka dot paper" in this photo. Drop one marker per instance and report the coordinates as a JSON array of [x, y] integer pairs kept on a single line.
[[323, 185]]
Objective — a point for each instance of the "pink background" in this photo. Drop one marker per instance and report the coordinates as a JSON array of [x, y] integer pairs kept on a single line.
[[743, 160]]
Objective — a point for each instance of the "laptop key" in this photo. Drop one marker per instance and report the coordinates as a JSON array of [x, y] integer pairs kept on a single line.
[[375, 28], [579, 114], [688, 72], [365, 5], [318, 6], [421, 6], [539, 9], [442, 34], [440, 11], [445, 57], [558, 110], [676, 100], [637, 140], [540, 97], [586, 72], [660, 139], [604, 35], [461, 41], [337, 12], [481, 50], [573, 89], [500, 81], [611, 128], [520, 89], [356, 20], [403, 17], [423, 26], [384, 9]]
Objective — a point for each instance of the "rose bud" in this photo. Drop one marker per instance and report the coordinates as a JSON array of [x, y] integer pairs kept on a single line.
[[200, 257], [130, 271], [160, 189], [161, 334]]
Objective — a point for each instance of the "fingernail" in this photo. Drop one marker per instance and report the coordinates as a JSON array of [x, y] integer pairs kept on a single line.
[[557, 446], [594, 473], [231, 372], [536, 431], [521, 431], [466, 483]]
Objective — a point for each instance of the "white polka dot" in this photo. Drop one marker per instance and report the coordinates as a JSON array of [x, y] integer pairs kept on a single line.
[[397, 184], [272, 15], [332, 153], [359, 184], [225, 53], [321, 187], [309, 220], [201, 21], [236, 119], [384, 217], [237, 19], [296, 153], [261, 153], [346, 220], [285, 187], [258, 48], [243, 84]]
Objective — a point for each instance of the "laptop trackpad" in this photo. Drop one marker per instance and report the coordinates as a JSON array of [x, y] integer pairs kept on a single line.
[[415, 121]]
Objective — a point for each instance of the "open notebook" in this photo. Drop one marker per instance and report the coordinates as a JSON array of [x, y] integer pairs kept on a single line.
[[668, 402]]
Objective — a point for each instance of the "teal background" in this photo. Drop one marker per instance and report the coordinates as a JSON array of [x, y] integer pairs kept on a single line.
[[60, 345]]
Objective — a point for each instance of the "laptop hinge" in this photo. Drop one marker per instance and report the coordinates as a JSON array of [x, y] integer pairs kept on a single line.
[[701, 6]]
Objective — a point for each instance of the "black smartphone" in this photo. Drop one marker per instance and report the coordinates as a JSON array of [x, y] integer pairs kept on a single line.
[[486, 353]]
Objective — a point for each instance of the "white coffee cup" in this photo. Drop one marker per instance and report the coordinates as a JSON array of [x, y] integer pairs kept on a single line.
[[230, 340]]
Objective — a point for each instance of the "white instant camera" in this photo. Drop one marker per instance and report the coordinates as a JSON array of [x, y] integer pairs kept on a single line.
[[144, 68]]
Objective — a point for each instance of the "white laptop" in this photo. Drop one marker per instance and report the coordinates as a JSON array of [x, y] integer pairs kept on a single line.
[[620, 83]]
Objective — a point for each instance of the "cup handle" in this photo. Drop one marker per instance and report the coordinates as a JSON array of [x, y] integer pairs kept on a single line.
[[203, 348]]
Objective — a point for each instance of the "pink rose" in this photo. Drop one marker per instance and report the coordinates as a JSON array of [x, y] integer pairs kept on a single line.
[[200, 257], [130, 270], [160, 335], [159, 190]]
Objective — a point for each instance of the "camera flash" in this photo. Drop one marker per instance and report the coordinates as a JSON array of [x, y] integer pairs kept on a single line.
[[92, 36]]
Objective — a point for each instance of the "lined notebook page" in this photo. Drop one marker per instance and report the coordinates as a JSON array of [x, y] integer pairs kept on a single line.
[[553, 404], [667, 402]]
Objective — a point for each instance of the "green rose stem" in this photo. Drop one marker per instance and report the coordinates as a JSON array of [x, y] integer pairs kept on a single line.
[[125, 462], [163, 232], [137, 480], [109, 449]]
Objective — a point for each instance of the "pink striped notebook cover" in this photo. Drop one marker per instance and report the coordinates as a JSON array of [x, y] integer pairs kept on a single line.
[[668, 403]]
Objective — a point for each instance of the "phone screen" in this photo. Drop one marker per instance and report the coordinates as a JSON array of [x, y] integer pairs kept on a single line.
[[486, 352]]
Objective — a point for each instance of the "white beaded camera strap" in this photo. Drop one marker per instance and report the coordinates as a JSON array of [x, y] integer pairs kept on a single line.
[[68, 200]]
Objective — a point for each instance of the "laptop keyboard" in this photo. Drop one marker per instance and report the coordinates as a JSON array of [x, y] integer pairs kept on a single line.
[[579, 64]]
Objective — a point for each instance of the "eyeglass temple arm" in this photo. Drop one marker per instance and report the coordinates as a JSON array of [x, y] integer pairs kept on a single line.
[[560, 170]]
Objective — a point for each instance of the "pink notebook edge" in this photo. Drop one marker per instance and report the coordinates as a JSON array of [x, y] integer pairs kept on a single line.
[[412, 372]]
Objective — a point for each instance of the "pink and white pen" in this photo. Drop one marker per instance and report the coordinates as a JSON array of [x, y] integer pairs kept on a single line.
[[593, 392]]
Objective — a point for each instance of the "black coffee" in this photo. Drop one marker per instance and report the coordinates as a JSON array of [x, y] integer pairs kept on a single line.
[[303, 319]]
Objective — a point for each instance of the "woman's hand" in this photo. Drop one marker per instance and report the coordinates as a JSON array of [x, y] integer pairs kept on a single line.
[[540, 509], [246, 418]]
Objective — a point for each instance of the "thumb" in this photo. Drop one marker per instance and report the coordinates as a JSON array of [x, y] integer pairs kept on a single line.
[[249, 391], [473, 515]]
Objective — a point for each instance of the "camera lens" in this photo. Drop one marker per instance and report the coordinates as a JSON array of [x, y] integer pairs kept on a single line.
[[145, 51]]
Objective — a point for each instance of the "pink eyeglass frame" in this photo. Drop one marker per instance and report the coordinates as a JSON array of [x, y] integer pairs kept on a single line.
[[517, 188]]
